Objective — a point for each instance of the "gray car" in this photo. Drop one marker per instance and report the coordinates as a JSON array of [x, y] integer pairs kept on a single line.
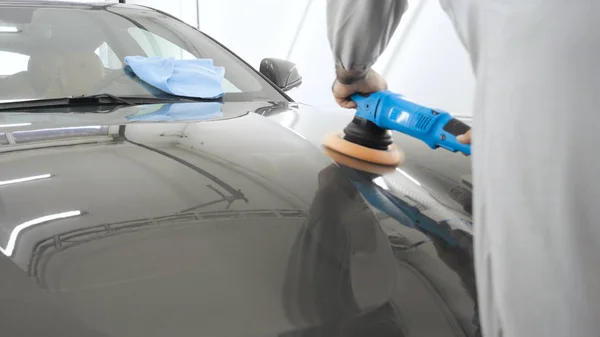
[[127, 212]]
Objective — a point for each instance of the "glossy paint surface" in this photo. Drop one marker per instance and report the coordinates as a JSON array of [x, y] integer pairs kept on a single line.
[[233, 226]]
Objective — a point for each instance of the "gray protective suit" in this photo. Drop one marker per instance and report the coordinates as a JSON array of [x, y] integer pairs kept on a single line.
[[536, 159]]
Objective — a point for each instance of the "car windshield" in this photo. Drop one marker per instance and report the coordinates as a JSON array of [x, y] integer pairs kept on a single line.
[[61, 51]]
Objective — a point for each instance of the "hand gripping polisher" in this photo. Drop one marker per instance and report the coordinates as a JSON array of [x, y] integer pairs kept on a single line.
[[368, 136]]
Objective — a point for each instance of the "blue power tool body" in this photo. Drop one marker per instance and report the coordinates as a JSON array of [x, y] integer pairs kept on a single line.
[[393, 111]]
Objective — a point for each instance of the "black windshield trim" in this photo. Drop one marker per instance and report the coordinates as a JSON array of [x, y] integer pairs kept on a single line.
[[100, 99]]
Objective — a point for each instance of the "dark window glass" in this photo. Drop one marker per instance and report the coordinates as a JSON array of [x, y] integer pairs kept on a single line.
[[50, 52]]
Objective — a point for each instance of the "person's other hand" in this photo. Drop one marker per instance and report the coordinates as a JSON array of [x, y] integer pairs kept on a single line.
[[465, 139], [371, 83]]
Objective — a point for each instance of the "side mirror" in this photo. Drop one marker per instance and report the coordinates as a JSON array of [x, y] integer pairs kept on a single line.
[[283, 73]]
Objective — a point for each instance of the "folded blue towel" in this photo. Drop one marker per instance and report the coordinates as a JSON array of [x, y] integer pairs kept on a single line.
[[196, 111], [198, 78]]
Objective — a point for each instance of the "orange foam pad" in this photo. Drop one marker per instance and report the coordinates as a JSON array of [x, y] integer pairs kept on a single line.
[[393, 156], [358, 164]]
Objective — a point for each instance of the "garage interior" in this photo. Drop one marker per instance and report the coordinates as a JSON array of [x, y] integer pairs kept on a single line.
[[130, 209]]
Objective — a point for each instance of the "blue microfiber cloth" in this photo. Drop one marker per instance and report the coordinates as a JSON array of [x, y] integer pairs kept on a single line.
[[198, 78], [178, 112]]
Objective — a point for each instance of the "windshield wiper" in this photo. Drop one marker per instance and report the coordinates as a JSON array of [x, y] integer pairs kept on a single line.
[[105, 95], [99, 99]]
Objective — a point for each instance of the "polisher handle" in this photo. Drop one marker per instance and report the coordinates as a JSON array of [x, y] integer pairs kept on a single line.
[[393, 111]]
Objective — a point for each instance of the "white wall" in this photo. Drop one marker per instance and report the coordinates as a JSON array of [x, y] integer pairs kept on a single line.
[[424, 61], [253, 29], [431, 66]]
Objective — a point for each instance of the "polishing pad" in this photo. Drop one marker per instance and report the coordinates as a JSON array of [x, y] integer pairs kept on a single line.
[[358, 164], [393, 156]]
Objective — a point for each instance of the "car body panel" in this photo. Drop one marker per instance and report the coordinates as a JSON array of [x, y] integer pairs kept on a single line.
[[238, 226]]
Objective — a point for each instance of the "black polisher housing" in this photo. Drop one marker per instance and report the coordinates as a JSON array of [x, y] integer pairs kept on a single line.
[[366, 133]]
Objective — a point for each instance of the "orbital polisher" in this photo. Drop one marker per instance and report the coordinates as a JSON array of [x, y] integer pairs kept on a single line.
[[368, 137]]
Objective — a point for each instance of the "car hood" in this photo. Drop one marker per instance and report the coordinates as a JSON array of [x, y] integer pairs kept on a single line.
[[236, 226]]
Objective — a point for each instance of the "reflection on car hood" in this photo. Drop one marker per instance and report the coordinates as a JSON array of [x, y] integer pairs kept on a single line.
[[232, 227]]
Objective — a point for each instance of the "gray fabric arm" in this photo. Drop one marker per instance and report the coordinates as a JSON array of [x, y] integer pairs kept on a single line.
[[360, 30]]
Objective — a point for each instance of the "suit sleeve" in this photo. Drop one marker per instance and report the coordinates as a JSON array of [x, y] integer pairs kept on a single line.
[[360, 30]]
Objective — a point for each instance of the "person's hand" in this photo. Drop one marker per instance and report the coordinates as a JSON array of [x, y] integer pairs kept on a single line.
[[371, 83], [465, 139]]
